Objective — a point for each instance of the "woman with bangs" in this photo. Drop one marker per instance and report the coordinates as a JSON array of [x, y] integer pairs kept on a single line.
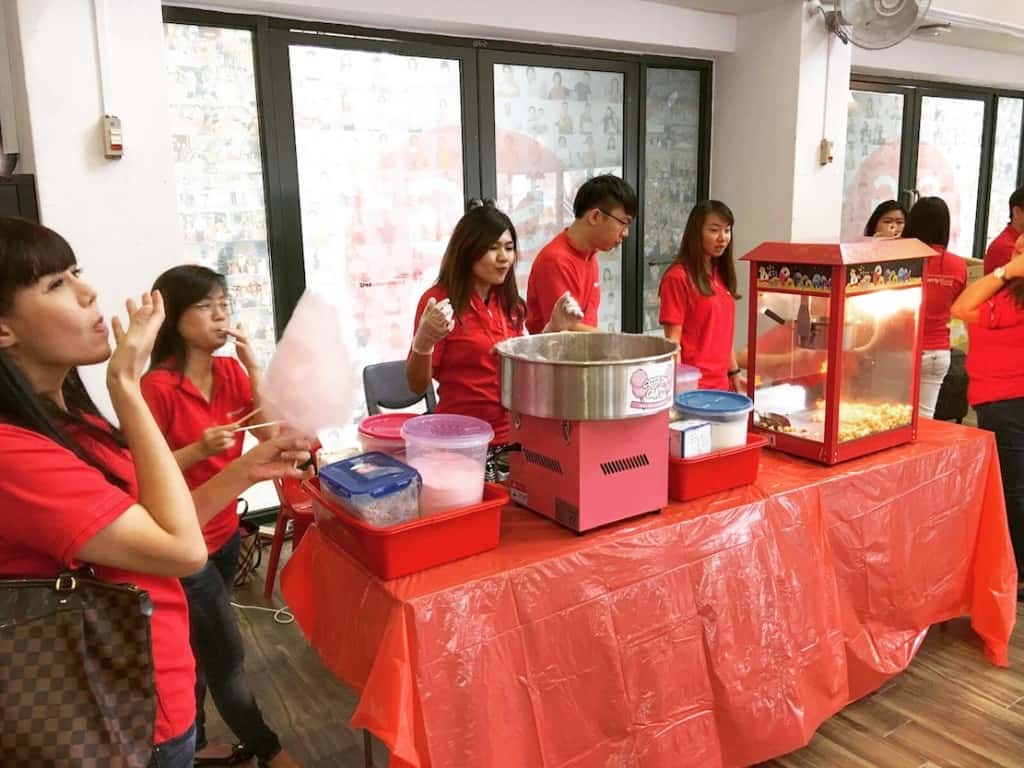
[[202, 402], [77, 492]]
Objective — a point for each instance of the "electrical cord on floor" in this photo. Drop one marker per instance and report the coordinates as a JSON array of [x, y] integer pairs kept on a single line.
[[281, 615]]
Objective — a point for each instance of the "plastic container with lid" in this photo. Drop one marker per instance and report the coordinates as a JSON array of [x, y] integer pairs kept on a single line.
[[450, 453], [374, 487], [383, 432], [687, 377], [728, 413]]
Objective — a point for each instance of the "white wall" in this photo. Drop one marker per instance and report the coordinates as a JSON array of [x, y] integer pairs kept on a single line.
[[944, 63], [609, 24], [769, 107], [119, 215]]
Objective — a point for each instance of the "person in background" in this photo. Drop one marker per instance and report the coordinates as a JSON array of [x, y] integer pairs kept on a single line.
[[74, 490], [474, 305], [1001, 249], [993, 309], [945, 277], [887, 220], [605, 207], [698, 297], [202, 402]]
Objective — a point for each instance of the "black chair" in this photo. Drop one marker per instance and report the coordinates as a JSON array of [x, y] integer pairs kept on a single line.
[[384, 386]]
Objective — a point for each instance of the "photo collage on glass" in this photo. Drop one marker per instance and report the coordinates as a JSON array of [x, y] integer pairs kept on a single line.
[[554, 129], [218, 168]]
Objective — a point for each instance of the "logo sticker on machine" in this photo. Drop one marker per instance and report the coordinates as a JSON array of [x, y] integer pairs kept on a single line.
[[651, 387], [518, 493]]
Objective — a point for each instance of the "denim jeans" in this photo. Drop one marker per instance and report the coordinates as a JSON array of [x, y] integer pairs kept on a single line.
[[178, 752], [1006, 419], [934, 367], [220, 654]]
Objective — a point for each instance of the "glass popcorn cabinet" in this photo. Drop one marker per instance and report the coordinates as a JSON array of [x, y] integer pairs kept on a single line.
[[835, 345]]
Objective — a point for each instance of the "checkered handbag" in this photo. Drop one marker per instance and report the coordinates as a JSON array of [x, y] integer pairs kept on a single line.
[[76, 673]]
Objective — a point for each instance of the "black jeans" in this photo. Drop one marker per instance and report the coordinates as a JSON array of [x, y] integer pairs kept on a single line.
[[1006, 419], [220, 654], [178, 752]]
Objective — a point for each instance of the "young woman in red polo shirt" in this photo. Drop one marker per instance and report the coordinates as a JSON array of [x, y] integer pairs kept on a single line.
[[698, 297], [945, 276], [76, 491], [993, 308], [473, 305], [199, 401]]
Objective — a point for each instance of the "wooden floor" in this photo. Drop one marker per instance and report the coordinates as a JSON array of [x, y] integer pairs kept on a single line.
[[951, 708]]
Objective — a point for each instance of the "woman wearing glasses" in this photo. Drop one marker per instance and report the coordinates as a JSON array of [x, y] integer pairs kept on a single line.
[[698, 297], [201, 403], [604, 208]]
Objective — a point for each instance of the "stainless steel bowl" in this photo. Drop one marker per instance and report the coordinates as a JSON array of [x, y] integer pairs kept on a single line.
[[587, 376]]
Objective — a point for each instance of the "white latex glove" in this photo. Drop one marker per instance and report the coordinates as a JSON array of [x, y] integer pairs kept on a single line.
[[437, 321], [565, 312]]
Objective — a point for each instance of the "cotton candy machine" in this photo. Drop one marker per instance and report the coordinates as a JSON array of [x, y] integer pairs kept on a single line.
[[590, 411]]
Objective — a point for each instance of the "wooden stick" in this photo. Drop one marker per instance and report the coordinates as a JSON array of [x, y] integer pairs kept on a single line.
[[257, 426]]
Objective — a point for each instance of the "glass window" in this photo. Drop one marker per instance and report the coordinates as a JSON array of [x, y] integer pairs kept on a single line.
[[872, 174], [949, 162], [670, 179], [218, 167], [1004, 164], [554, 129], [379, 144]]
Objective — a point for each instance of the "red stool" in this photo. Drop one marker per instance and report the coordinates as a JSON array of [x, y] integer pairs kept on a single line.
[[297, 506]]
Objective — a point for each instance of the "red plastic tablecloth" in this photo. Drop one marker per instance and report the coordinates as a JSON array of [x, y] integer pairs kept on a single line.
[[720, 632]]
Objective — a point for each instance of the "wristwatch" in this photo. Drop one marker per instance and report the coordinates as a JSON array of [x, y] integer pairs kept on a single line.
[[1000, 272]]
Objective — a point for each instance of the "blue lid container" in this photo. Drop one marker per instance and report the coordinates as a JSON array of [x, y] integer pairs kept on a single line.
[[714, 404], [370, 474]]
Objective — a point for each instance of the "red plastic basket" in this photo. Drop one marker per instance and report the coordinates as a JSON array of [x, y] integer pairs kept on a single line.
[[692, 478], [403, 549]]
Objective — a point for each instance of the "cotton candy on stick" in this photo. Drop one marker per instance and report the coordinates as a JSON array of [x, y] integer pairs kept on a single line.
[[309, 382]]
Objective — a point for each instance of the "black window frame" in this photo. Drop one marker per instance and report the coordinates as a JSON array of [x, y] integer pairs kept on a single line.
[[913, 91], [272, 37]]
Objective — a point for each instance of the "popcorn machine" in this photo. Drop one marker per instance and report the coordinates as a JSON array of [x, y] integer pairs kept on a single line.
[[835, 345]]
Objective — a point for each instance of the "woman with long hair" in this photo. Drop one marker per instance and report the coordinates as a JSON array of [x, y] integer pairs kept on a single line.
[[76, 491], [698, 297], [945, 276], [993, 308], [473, 305], [202, 403], [887, 220]]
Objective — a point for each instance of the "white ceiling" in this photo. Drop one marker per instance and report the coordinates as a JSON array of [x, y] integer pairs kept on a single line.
[[733, 7]]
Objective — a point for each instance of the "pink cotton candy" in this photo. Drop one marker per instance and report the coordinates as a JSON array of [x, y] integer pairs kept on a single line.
[[450, 481], [309, 383]]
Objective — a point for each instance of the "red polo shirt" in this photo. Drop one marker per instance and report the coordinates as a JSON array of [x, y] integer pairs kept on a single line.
[[182, 414], [558, 268], [53, 503], [995, 364], [466, 368], [707, 324], [1000, 250], [945, 277]]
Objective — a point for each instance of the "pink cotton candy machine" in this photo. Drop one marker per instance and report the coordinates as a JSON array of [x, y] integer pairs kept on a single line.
[[590, 411]]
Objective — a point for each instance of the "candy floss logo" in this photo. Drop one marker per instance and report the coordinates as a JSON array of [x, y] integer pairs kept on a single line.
[[649, 391]]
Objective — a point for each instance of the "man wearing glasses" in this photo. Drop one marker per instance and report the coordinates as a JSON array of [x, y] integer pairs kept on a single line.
[[605, 207]]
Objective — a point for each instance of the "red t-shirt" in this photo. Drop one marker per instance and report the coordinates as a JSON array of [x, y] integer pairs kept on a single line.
[[558, 268], [53, 503], [182, 413], [945, 277], [1000, 251], [466, 367], [995, 365], [707, 324]]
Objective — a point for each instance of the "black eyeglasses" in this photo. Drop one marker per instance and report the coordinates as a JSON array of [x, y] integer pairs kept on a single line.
[[625, 224]]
